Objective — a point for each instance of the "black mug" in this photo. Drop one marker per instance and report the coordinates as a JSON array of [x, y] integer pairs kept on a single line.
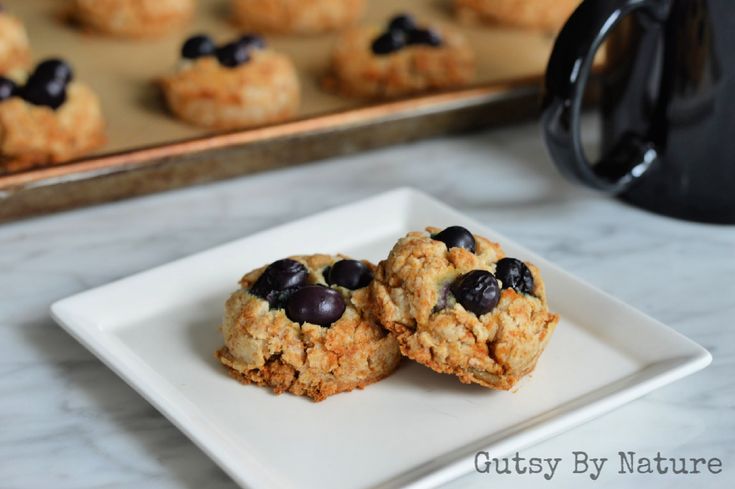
[[667, 103]]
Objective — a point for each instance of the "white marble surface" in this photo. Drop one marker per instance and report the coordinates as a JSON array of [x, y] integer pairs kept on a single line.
[[66, 421]]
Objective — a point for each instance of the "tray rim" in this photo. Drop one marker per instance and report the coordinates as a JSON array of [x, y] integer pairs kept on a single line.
[[138, 375], [371, 112]]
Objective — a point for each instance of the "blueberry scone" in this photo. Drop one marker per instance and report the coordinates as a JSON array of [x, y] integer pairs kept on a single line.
[[14, 49], [240, 84], [459, 306], [293, 327], [296, 16], [401, 59], [47, 118], [132, 18], [531, 14]]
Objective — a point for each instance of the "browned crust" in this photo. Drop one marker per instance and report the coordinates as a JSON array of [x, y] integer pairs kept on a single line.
[[262, 346], [494, 350], [212, 96], [141, 22], [296, 16], [14, 39], [502, 381], [531, 14], [356, 72], [32, 136], [281, 377], [44, 158]]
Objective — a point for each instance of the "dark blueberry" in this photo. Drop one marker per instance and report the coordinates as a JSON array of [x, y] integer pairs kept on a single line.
[[477, 291], [315, 304], [428, 37], [252, 41], [351, 274], [389, 42], [277, 299], [233, 54], [456, 237], [198, 46], [514, 274], [402, 23], [8, 88], [280, 276], [51, 93], [52, 69]]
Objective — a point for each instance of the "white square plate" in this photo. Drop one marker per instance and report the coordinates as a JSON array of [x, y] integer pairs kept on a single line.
[[158, 331]]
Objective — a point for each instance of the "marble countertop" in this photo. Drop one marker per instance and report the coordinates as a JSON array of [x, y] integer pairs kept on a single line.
[[66, 421]]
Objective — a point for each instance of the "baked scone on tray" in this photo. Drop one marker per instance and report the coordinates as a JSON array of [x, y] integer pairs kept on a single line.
[[239, 84], [402, 58], [132, 18], [47, 118], [293, 327], [541, 15], [296, 16], [14, 48], [458, 305]]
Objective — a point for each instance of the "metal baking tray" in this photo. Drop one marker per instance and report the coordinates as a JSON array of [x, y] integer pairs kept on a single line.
[[149, 150]]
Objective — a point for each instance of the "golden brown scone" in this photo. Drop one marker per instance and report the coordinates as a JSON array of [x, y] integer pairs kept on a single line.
[[356, 71], [262, 91], [32, 135], [264, 346], [533, 14], [133, 18], [415, 296], [14, 48], [296, 16]]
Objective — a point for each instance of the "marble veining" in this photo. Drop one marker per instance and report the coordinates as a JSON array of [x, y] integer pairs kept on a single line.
[[66, 421]]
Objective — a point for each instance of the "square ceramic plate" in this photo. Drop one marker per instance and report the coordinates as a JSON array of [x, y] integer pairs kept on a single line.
[[158, 331]]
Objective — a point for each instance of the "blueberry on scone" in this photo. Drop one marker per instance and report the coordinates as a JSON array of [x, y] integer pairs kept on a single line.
[[47, 118], [133, 18], [403, 31], [402, 58], [296, 16], [238, 84], [458, 305], [531, 14], [294, 326], [14, 48]]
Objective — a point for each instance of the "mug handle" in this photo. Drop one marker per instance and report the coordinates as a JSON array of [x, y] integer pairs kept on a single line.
[[567, 73]]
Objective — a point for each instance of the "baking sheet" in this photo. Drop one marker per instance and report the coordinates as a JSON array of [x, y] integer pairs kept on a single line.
[[150, 151], [122, 71]]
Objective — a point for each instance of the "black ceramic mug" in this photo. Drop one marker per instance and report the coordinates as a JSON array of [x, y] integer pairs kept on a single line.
[[667, 103]]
